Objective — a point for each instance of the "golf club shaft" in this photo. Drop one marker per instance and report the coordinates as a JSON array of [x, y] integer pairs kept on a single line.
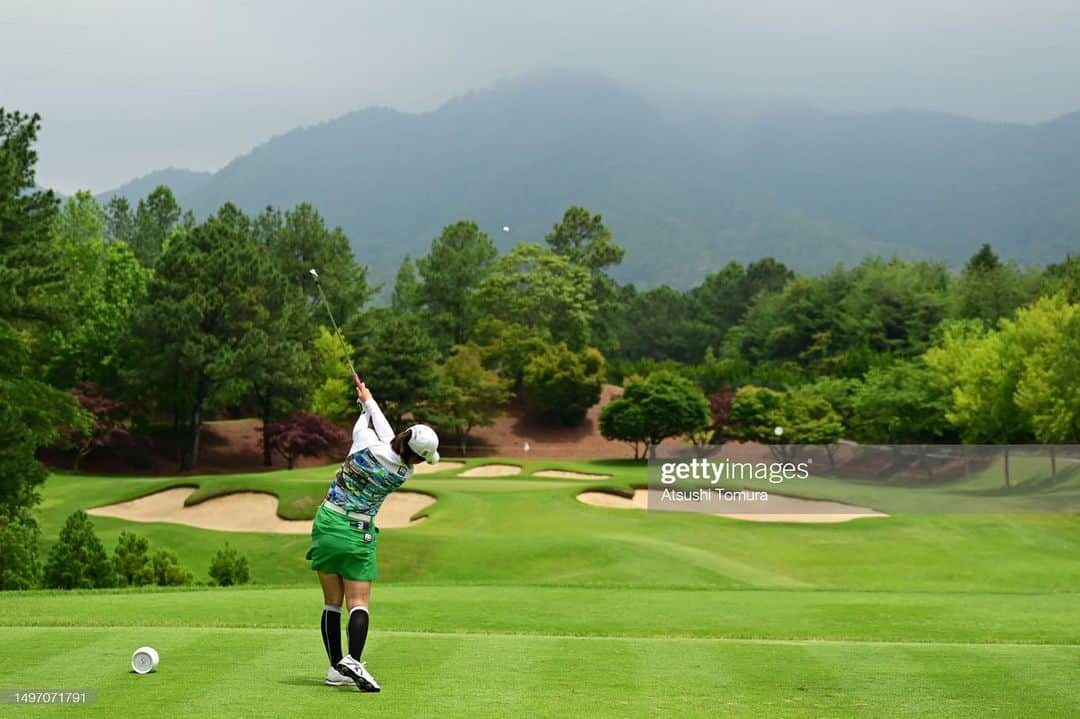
[[337, 330]]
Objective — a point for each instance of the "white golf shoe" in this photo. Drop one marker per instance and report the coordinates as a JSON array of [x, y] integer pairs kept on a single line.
[[334, 678], [358, 673]]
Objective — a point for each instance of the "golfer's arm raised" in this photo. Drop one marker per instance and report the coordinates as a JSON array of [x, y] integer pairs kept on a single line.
[[371, 417]]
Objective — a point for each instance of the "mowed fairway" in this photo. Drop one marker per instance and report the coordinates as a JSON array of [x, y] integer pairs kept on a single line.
[[514, 598]]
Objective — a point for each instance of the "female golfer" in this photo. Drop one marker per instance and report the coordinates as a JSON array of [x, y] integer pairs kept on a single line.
[[344, 535]]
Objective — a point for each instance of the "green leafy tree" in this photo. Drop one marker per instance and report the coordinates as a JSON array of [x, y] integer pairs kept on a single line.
[[989, 289], [78, 559], [668, 405], [624, 422], [87, 342], [119, 220], [228, 567], [507, 347], [458, 261], [205, 305], [984, 370], [30, 280], [585, 240], [470, 395], [298, 241], [275, 354], [131, 561], [20, 537], [903, 403], [541, 290], [1048, 390], [406, 297], [155, 218], [561, 384], [334, 396], [397, 361], [757, 412], [167, 570]]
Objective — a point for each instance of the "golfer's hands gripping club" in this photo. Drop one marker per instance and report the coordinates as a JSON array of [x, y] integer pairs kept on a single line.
[[363, 394]]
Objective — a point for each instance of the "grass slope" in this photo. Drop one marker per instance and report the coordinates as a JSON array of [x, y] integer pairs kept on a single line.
[[515, 597]]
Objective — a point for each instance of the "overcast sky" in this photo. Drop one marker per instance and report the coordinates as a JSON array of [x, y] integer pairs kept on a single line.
[[129, 87]]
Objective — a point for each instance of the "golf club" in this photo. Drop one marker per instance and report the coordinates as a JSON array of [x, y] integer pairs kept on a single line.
[[337, 330]]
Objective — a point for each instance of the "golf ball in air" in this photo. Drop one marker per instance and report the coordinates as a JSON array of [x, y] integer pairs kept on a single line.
[[506, 228], [778, 431], [144, 660]]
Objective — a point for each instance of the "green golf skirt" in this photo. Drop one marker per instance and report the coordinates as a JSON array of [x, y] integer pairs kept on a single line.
[[343, 546]]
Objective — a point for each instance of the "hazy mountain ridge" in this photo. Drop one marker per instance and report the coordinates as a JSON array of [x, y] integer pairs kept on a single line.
[[683, 190]]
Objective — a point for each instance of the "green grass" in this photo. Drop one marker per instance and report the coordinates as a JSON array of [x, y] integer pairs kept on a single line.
[[513, 597]]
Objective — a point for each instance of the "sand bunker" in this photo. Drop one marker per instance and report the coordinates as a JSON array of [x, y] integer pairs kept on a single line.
[[246, 511], [781, 508], [425, 468], [492, 470], [563, 474]]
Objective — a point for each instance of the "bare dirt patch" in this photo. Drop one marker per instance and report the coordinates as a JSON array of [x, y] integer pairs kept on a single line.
[[782, 508], [247, 511], [564, 474]]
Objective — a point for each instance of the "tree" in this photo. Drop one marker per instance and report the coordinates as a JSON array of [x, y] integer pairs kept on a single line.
[[334, 394], [458, 261], [983, 370], [119, 220], [88, 338], [131, 561], [167, 571], [302, 435], [541, 290], [228, 567], [507, 347], [757, 412], [78, 560], [669, 406], [155, 218], [470, 395], [206, 300], [109, 417], [275, 355], [561, 384], [406, 297], [585, 240], [1047, 390], [30, 279], [989, 289], [298, 241], [903, 403], [20, 567], [624, 422], [397, 360]]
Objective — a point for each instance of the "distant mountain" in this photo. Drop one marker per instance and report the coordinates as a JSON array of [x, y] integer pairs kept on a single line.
[[181, 182], [685, 187]]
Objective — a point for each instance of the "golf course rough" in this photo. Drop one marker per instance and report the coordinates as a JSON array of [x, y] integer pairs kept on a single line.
[[513, 596]]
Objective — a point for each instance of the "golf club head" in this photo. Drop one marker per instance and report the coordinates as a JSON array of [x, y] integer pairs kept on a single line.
[[313, 273]]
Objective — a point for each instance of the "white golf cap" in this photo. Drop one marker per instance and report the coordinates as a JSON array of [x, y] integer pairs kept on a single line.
[[424, 442]]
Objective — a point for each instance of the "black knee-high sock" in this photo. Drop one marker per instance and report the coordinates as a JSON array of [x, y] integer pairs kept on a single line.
[[331, 633], [358, 626]]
